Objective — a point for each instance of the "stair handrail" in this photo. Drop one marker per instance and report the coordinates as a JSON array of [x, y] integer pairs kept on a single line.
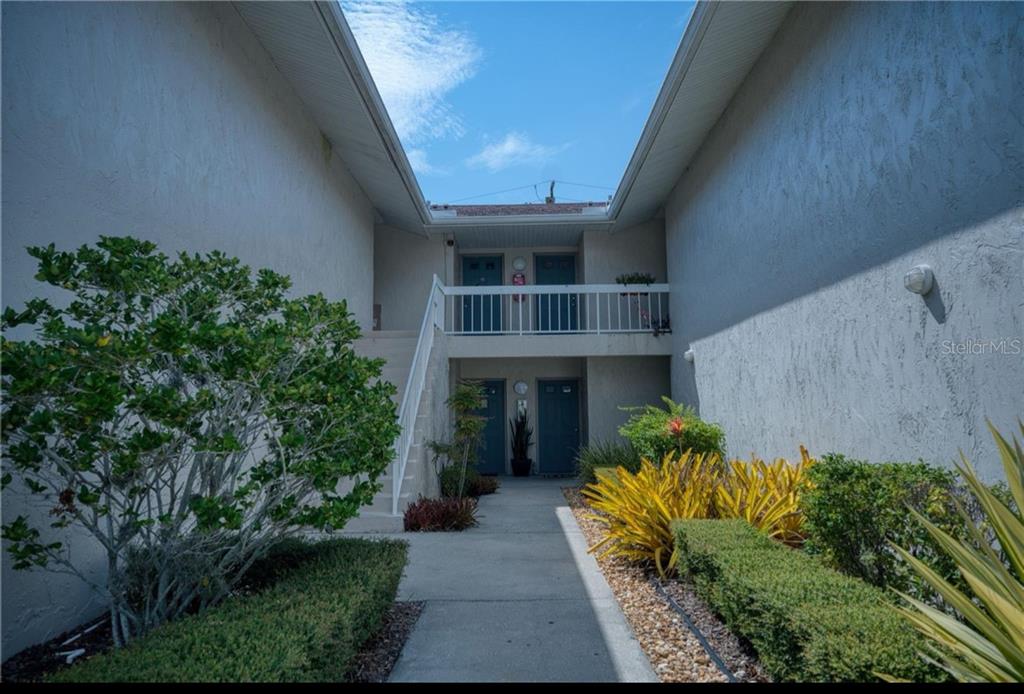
[[408, 411]]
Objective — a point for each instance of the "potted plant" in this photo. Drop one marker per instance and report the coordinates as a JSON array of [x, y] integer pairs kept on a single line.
[[635, 278], [522, 436]]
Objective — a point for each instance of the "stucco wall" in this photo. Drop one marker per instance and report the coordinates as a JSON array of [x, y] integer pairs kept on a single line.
[[404, 265], [868, 138], [616, 382], [641, 248], [166, 121]]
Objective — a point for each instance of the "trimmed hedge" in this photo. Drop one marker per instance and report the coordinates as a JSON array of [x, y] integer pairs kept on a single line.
[[807, 622], [306, 625]]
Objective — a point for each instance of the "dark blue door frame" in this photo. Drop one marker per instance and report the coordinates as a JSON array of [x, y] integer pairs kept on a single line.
[[558, 425], [556, 312], [481, 314], [491, 454]]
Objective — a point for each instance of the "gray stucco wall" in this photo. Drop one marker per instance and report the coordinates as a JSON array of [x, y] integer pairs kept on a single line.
[[607, 255], [868, 138], [404, 265], [166, 121], [617, 382]]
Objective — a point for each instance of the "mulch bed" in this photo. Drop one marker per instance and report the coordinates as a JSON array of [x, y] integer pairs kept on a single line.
[[373, 663], [378, 656], [36, 662], [675, 653]]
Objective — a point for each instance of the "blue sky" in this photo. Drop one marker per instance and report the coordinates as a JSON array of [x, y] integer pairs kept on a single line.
[[490, 96]]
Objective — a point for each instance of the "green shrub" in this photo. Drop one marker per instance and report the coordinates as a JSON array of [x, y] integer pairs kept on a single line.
[[451, 478], [807, 622], [483, 484], [606, 454], [306, 626], [854, 510], [476, 484], [654, 432]]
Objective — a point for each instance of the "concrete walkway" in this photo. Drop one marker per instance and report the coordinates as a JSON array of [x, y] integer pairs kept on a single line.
[[516, 599]]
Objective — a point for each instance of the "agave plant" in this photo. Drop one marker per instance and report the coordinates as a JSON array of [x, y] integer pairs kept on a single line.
[[766, 495], [638, 509], [987, 644]]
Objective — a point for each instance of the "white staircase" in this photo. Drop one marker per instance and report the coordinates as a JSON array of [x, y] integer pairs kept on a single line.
[[415, 362]]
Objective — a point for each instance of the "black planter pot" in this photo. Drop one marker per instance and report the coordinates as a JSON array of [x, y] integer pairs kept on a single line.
[[521, 466]]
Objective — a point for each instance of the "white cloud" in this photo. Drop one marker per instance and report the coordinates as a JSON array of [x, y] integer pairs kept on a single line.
[[415, 62], [420, 163], [514, 149]]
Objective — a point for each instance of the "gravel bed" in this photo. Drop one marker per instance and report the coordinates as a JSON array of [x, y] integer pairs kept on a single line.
[[675, 653], [378, 656]]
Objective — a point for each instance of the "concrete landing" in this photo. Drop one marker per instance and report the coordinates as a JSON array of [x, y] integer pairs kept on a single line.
[[516, 599]]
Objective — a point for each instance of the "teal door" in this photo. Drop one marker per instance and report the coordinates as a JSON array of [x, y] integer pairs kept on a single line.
[[558, 426], [556, 312], [491, 454], [481, 314]]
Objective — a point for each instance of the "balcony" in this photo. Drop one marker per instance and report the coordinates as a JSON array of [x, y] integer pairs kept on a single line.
[[577, 320]]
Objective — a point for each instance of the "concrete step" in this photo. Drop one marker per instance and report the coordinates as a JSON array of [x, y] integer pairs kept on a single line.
[[388, 336], [373, 522], [382, 502]]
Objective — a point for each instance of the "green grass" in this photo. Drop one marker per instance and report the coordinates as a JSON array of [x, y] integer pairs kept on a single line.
[[315, 607], [807, 622]]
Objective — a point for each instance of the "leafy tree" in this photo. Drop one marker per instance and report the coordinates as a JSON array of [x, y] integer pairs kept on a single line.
[[187, 414], [467, 434]]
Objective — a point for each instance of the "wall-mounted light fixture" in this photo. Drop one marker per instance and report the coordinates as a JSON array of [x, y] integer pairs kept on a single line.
[[520, 387], [919, 279], [688, 355], [519, 263]]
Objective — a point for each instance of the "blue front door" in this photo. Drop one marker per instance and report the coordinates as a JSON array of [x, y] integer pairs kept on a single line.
[[491, 454], [556, 312], [481, 314], [558, 425]]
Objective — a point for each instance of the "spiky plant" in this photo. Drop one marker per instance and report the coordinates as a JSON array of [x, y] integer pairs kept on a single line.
[[987, 643], [638, 509], [766, 495]]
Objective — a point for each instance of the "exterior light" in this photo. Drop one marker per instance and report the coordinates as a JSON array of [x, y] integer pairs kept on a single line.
[[688, 355], [520, 387], [919, 279], [519, 263]]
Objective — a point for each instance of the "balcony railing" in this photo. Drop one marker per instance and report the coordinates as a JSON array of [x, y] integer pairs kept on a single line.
[[556, 309]]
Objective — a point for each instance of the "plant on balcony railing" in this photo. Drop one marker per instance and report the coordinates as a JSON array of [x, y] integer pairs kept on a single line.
[[635, 278], [186, 415]]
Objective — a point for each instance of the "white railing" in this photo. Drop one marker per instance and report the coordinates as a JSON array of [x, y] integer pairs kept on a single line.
[[409, 409], [556, 309]]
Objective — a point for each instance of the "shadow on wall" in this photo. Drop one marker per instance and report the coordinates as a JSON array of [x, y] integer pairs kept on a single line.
[[908, 140]]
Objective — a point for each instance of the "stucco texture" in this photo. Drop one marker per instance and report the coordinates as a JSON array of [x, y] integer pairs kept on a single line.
[[868, 138], [404, 265], [166, 121], [607, 254], [617, 382]]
